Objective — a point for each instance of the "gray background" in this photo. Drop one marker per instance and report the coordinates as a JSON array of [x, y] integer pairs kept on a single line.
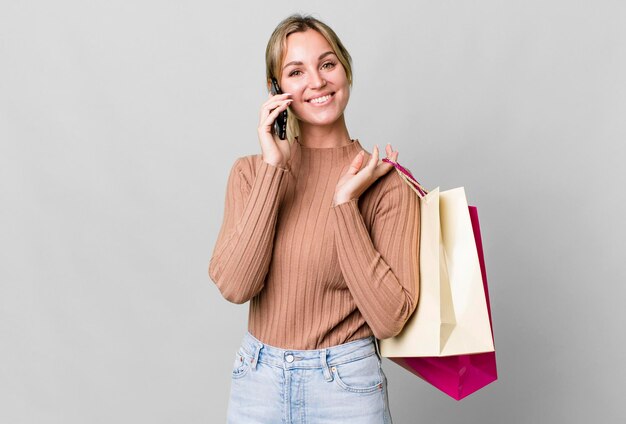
[[119, 122]]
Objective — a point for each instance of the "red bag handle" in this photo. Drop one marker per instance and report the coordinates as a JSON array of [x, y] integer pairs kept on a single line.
[[422, 191]]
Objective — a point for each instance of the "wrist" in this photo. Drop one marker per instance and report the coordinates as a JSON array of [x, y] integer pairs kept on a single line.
[[275, 164], [340, 200]]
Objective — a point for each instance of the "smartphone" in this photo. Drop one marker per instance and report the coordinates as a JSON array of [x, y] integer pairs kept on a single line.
[[280, 123]]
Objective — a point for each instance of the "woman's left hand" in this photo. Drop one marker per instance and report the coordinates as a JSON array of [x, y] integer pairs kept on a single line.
[[356, 180]]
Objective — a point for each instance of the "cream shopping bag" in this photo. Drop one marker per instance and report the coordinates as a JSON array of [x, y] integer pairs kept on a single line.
[[451, 317]]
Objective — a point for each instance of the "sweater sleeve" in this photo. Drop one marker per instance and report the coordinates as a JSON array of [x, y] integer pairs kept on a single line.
[[381, 267], [244, 245]]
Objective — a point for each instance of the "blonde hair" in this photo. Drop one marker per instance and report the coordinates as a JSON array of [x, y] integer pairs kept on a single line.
[[277, 48]]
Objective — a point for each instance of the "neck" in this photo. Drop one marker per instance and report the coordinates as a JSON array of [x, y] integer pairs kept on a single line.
[[333, 135]]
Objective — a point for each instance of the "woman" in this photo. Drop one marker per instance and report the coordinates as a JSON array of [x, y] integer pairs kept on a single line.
[[321, 238]]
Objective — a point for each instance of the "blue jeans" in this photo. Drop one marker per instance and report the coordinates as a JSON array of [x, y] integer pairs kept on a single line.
[[340, 384]]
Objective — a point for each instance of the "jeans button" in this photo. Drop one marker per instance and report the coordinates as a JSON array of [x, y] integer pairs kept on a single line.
[[289, 358]]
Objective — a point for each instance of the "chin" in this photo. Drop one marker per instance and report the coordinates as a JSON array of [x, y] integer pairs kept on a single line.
[[321, 122], [321, 118]]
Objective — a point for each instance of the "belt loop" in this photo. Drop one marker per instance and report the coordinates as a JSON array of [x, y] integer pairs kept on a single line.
[[380, 357], [255, 358], [327, 375]]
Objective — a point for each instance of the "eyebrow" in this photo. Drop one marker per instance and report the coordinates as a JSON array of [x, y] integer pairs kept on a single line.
[[297, 62]]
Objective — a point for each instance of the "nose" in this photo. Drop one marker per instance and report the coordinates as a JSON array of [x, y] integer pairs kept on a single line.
[[317, 81]]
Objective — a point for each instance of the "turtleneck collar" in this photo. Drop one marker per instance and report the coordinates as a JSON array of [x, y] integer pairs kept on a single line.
[[312, 162], [352, 148]]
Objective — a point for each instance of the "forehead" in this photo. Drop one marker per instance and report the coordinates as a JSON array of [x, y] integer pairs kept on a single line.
[[306, 45]]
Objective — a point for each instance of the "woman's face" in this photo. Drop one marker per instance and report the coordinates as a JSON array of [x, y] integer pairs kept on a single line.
[[312, 71]]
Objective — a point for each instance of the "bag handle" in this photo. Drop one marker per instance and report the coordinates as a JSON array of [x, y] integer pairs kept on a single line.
[[408, 177]]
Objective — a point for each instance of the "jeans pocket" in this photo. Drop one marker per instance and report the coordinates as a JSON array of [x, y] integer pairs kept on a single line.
[[359, 376], [241, 364]]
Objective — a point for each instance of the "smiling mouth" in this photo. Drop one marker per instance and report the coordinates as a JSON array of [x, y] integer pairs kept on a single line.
[[321, 100]]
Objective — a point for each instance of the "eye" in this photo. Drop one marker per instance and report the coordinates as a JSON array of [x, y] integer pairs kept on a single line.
[[332, 64], [293, 73]]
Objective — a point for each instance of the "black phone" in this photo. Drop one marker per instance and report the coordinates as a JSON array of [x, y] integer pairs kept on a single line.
[[280, 123]]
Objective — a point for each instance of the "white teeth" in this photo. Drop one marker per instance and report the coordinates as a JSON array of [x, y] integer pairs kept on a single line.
[[320, 99]]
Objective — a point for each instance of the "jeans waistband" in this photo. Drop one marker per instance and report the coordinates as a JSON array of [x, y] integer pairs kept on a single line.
[[316, 358]]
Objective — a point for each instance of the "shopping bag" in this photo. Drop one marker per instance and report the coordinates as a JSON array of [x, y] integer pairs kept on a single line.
[[448, 341], [451, 317]]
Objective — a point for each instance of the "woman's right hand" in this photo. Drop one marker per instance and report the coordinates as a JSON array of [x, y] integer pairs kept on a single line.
[[276, 152]]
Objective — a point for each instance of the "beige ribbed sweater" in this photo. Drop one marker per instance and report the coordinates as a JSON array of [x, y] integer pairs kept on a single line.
[[317, 275]]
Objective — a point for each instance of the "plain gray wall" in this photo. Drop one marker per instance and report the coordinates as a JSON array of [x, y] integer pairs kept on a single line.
[[120, 120]]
